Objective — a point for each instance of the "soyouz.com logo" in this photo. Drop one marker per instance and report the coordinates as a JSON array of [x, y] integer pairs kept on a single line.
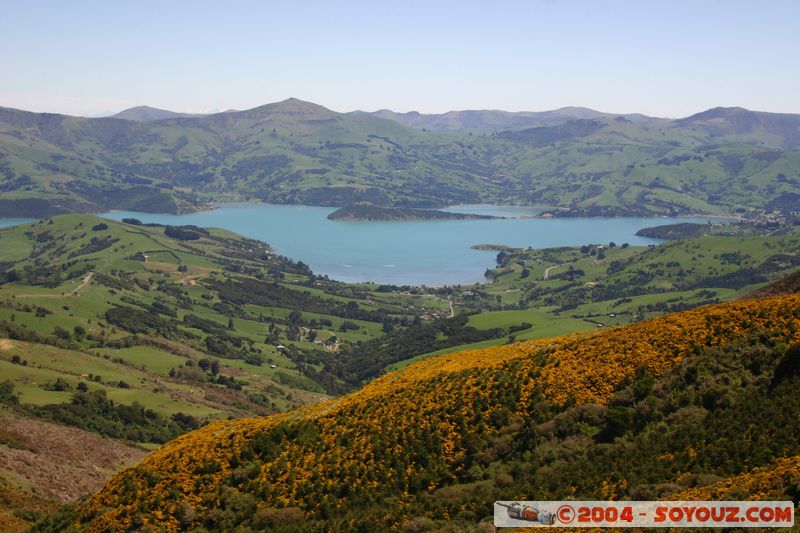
[[644, 514]]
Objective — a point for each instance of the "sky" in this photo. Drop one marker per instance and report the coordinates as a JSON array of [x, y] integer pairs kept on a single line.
[[663, 58]]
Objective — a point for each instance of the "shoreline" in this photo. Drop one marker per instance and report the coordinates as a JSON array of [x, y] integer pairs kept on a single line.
[[545, 214]]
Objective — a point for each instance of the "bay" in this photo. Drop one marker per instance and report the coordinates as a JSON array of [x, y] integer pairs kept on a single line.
[[419, 252]]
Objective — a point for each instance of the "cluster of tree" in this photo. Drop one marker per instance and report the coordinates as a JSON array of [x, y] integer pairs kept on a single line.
[[241, 291], [185, 233], [95, 244], [42, 273], [138, 321], [356, 363], [93, 411]]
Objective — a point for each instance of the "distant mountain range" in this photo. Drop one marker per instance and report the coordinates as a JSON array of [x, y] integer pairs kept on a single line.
[[145, 113], [580, 161], [485, 120], [495, 120]]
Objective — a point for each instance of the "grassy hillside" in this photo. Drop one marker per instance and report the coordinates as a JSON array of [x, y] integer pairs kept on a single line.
[[638, 412], [720, 161], [178, 319], [132, 334], [548, 292]]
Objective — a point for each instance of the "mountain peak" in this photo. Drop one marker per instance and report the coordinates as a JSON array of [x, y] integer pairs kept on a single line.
[[292, 106], [145, 113]]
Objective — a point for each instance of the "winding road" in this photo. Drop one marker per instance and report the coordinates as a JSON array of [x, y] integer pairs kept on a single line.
[[547, 270]]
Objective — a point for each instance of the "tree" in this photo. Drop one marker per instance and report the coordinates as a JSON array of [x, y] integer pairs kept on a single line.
[[61, 333], [79, 332], [82, 387], [230, 323], [7, 392], [215, 366]]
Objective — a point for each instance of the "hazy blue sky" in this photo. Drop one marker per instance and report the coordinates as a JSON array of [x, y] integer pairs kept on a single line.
[[666, 58]]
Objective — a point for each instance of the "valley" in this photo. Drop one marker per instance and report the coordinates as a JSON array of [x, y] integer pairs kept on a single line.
[[138, 332]]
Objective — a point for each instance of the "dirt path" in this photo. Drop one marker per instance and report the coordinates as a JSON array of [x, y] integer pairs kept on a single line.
[[547, 270], [452, 311], [86, 279], [84, 282]]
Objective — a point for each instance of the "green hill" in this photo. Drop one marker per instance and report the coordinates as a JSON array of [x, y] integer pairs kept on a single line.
[[132, 334], [368, 211], [491, 120], [121, 306], [648, 411], [720, 161], [146, 114]]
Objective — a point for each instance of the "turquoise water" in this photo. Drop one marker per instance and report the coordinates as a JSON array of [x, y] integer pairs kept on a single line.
[[429, 252], [6, 222]]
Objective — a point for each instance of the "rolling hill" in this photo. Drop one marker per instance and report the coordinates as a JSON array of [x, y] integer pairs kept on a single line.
[[117, 336], [492, 121], [145, 113], [667, 408], [721, 161]]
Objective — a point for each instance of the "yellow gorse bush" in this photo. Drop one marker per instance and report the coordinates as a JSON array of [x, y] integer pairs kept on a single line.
[[410, 428], [763, 483]]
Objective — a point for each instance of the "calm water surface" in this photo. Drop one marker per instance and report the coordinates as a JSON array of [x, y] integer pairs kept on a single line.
[[6, 222], [429, 252]]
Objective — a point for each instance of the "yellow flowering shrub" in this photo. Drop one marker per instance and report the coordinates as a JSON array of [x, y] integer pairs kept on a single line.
[[763, 483], [408, 431]]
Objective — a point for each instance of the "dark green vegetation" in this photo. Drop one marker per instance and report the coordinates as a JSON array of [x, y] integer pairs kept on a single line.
[[368, 211], [357, 364], [672, 232], [723, 160], [93, 411]]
